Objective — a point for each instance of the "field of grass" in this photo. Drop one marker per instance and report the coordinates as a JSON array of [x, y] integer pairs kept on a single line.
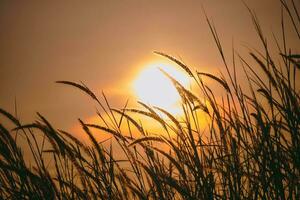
[[250, 148]]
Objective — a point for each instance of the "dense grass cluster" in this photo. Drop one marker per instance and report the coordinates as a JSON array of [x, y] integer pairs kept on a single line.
[[250, 148]]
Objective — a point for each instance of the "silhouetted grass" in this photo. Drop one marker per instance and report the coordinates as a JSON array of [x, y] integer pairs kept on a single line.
[[249, 150]]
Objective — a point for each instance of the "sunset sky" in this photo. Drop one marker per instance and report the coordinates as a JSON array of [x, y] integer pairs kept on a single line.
[[107, 45]]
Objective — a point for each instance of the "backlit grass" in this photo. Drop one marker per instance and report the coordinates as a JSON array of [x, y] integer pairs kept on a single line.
[[249, 149]]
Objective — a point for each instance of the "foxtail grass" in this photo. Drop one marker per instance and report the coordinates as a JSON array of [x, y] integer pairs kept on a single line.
[[249, 148]]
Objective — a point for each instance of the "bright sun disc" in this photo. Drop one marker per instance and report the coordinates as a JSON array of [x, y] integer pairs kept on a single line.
[[153, 87]]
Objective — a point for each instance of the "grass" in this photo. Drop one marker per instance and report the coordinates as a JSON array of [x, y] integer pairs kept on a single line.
[[250, 149]]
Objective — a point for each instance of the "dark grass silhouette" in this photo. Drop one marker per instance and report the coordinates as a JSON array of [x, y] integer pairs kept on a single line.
[[250, 150]]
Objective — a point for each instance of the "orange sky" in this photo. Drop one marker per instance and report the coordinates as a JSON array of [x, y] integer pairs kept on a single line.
[[105, 43]]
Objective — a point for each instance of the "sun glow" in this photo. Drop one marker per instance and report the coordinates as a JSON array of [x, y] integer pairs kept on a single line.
[[152, 87]]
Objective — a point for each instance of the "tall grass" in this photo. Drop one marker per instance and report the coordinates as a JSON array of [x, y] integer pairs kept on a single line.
[[250, 149]]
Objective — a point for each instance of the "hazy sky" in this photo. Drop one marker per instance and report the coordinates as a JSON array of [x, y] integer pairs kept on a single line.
[[104, 43]]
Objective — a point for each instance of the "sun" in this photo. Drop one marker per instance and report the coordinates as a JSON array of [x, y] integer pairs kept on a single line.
[[151, 86]]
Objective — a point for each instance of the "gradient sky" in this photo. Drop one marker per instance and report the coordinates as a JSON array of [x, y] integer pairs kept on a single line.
[[104, 44]]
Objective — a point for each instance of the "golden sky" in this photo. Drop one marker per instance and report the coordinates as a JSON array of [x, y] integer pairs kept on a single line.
[[106, 44]]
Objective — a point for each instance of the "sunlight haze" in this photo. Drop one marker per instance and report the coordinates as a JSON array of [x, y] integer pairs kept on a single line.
[[153, 87], [105, 44]]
